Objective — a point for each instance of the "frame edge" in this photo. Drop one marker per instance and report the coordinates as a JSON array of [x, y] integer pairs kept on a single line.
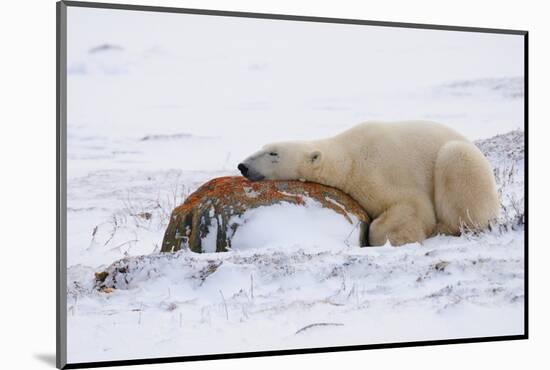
[[61, 177], [526, 181], [288, 17]]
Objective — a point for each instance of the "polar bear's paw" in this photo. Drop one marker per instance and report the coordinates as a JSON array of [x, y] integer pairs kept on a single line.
[[400, 224]]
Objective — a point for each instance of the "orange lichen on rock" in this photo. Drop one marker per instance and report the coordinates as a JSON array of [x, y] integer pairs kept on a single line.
[[214, 203]]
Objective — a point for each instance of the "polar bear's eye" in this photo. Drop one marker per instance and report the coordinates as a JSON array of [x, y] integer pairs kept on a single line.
[[273, 154]]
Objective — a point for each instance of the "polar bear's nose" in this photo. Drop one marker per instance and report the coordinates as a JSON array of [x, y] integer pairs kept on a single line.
[[243, 169]]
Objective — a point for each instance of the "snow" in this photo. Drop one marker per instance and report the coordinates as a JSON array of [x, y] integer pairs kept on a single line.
[[288, 225], [160, 103], [208, 243]]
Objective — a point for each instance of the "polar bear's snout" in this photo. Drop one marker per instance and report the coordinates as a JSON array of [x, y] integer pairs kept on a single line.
[[249, 172], [243, 168]]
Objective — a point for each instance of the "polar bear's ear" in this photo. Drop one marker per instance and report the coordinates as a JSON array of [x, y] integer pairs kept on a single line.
[[315, 157]]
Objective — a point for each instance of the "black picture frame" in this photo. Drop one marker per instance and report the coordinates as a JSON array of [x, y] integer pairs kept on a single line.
[[61, 194]]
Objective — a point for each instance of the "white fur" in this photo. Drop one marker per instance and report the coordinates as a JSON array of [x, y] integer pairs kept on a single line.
[[414, 178]]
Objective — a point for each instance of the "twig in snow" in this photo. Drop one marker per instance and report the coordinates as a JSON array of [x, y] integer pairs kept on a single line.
[[140, 310], [346, 241], [351, 291], [225, 306], [94, 232], [307, 327], [123, 244], [113, 231], [251, 286]]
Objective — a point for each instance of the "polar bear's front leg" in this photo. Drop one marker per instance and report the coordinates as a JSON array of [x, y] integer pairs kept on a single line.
[[402, 223]]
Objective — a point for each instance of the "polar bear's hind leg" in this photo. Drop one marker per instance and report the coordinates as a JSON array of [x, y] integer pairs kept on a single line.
[[465, 193]]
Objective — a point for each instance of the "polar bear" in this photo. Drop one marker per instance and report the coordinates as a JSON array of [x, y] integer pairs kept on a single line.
[[415, 179]]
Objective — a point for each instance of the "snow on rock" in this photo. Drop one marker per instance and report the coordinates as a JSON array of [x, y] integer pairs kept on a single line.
[[286, 225]]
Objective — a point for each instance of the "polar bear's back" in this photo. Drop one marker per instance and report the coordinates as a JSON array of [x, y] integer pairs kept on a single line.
[[402, 133], [401, 142], [394, 159]]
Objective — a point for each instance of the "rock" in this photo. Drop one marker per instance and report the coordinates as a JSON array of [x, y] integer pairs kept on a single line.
[[216, 202], [441, 265], [101, 276]]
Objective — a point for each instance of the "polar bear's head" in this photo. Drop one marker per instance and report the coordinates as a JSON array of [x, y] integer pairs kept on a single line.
[[282, 161]]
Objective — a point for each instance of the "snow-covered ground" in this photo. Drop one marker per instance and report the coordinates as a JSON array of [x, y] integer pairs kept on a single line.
[[160, 103]]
